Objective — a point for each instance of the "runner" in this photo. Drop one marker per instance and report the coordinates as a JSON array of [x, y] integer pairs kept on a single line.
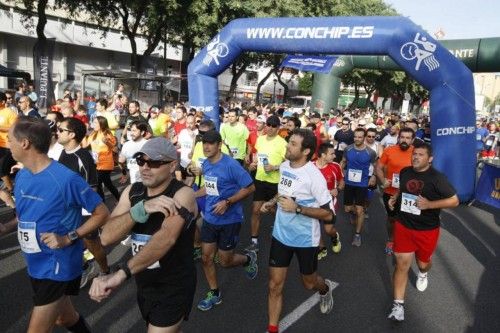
[[332, 172], [358, 159], [343, 138], [394, 158], [49, 200], [392, 137], [71, 133], [235, 135], [226, 184], [185, 144], [271, 149], [159, 212], [423, 192], [126, 160], [302, 201]]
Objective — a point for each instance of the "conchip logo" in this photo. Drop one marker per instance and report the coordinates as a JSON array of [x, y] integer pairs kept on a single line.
[[455, 130]]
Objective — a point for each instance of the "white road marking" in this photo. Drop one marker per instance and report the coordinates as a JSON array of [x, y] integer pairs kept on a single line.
[[301, 310], [10, 249]]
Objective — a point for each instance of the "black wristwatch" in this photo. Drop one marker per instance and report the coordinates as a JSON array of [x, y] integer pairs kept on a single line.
[[73, 236], [124, 267], [298, 210]]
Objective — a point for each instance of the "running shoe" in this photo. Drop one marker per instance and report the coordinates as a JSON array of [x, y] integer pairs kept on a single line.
[[252, 269], [336, 244], [252, 247], [397, 312], [197, 253], [422, 282], [210, 301], [326, 300], [389, 248], [90, 271], [356, 240], [323, 252]]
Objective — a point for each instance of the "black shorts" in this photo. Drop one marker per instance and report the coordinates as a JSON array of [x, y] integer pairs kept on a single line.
[[264, 191], [6, 161], [164, 309], [226, 236], [390, 213], [48, 291], [281, 256], [355, 195]]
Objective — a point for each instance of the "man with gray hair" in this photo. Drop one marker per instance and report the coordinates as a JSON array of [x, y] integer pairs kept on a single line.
[[26, 108]]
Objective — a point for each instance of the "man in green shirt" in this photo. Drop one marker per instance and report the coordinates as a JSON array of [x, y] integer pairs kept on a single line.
[[235, 135]]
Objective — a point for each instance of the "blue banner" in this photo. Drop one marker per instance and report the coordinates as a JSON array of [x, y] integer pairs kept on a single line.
[[448, 80], [488, 186], [318, 64]]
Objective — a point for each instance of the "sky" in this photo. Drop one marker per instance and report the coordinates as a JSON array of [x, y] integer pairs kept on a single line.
[[459, 19]]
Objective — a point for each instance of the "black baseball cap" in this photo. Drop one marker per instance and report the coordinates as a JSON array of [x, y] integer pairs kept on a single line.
[[211, 136]]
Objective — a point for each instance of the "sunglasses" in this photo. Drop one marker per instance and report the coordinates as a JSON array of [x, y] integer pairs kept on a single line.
[[60, 130], [273, 126], [345, 123], [151, 163]]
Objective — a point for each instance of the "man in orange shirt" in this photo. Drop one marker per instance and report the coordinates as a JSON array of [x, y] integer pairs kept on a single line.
[[394, 158], [7, 119]]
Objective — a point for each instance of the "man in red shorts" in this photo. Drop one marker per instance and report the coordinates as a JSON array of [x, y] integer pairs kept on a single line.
[[423, 192]]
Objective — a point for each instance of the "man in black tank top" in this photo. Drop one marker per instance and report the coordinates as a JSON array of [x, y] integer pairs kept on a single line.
[[159, 213]]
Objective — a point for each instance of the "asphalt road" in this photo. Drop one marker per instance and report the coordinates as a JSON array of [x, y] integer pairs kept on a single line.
[[463, 293]]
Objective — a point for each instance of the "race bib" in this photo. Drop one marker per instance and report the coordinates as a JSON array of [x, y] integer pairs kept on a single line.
[[489, 142], [85, 212], [342, 146], [395, 180], [286, 186], [478, 137], [26, 234], [211, 186], [409, 204], [262, 159], [138, 242], [354, 175], [187, 146], [234, 151]]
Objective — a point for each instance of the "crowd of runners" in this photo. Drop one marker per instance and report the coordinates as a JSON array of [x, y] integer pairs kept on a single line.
[[184, 182]]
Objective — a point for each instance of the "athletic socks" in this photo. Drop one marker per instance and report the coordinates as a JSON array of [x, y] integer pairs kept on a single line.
[[399, 301], [422, 275], [255, 240], [80, 326]]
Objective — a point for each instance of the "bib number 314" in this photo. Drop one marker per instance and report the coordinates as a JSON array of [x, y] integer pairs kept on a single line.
[[409, 204]]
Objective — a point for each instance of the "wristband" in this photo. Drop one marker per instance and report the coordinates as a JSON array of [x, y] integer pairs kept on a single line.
[[124, 268], [138, 213]]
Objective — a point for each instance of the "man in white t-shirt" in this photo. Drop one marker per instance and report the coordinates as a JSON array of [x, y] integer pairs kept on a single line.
[[126, 161], [185, 143], [302, 200], [392, 138]]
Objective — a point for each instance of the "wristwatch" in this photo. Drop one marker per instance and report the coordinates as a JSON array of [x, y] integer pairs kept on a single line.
[[124, 267], [73, 236], [298, 210]]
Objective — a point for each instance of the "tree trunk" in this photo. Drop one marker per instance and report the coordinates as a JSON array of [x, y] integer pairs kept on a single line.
[[285, 86], [236, 74], [261, 83], [42, 19]]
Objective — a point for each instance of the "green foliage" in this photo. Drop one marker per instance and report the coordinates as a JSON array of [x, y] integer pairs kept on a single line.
[[306, 84]]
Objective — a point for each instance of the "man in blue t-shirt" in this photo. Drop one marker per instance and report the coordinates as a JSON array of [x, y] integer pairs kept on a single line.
[[49, 202], [358, 161], [481, 134], [226, 184]]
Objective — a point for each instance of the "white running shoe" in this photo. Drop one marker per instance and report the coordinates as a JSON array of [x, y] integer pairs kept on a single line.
[[397, 312], [422, 282], [89, 273], [326, 300]]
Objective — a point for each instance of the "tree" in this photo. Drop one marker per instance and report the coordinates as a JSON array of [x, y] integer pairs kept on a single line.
[[306, 84]]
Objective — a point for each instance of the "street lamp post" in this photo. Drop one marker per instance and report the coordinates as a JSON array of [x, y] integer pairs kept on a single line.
[[274, 91]]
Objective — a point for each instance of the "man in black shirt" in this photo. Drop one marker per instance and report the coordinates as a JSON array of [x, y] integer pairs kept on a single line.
[[422, 193], [159, 212], [343, 138], [134, 115], [71, 132]]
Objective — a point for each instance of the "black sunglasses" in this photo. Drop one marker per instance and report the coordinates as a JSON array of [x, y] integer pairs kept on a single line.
[[60, 130], [151, 163], [345, 123]]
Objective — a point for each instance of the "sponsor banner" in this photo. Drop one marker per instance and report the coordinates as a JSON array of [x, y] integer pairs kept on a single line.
[[329, 32], [459, 130], [318, 64], [42, 58], [488, 186]]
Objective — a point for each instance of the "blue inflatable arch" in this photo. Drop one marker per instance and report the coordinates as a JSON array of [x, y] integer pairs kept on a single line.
[[448, 80]]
